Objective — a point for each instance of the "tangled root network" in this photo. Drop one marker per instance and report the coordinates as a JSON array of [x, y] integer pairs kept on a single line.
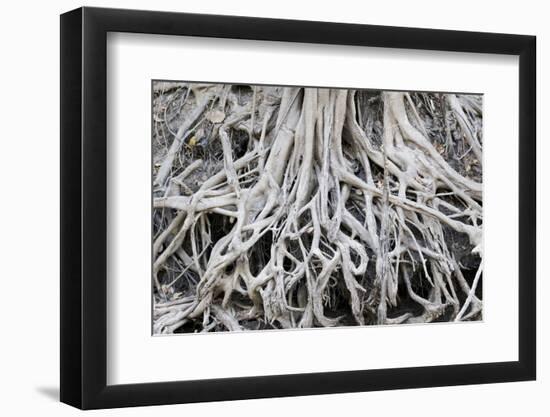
[[283, 207]]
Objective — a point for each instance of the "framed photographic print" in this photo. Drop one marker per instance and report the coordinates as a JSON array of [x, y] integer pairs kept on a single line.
[[256, 208]]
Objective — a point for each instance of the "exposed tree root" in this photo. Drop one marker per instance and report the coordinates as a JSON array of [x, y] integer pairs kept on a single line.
[[305, 207]]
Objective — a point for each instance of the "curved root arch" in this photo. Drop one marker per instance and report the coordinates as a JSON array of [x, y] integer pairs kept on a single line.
[[317, 207]]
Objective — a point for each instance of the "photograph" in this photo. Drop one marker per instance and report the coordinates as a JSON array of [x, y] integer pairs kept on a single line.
[[290, 207]]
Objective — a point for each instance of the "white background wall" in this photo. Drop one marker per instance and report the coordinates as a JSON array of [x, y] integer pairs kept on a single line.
[[29, 225]]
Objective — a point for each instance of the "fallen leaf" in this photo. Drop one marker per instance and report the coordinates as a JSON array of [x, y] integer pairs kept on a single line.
[[215, 116]]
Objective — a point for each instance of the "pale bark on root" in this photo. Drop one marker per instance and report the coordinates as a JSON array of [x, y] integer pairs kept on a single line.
[[328, 222]]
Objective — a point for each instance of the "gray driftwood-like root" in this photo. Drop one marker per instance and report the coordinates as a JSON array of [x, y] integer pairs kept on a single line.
[[302, 207]]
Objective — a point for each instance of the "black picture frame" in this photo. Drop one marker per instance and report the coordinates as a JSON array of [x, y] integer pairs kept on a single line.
[[84, 207]]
